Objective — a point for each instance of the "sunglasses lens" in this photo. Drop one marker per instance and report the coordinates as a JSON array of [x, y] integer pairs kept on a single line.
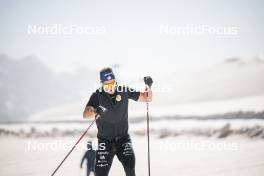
[[110, 85]]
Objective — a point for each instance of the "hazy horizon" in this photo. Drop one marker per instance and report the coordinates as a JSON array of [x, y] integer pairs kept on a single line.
[[132, 33]]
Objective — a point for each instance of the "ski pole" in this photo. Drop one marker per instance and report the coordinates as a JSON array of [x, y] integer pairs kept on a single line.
[[74, 146], [148, 135]]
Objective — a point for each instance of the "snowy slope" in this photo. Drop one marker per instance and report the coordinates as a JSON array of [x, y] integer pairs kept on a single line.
[[234, 78]]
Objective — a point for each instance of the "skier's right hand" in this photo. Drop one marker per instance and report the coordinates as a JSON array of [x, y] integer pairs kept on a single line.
[[89, 112], [100, 110]]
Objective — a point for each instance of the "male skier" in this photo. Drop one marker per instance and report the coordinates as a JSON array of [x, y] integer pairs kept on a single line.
[[89, 156], [110, 103]]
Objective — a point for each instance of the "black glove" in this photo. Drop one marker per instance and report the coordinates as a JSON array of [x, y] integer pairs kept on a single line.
[[100, 110], [148, 81]]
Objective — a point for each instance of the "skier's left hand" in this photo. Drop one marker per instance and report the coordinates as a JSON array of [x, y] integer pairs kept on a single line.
[[147, 95], [148, 81]]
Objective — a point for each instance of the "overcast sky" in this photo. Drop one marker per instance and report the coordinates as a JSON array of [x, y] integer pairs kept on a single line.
[[132, 36]]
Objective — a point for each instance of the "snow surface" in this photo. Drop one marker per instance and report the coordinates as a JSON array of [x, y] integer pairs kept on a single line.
[[244, 157]]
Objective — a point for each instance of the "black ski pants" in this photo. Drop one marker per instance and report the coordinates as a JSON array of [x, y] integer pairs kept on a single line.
[[107, 149]]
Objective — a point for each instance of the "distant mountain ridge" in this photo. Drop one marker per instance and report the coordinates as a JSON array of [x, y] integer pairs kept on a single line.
[[28, 86]]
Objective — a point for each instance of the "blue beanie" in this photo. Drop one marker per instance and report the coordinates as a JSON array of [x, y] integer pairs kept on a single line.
[[106, 74]]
